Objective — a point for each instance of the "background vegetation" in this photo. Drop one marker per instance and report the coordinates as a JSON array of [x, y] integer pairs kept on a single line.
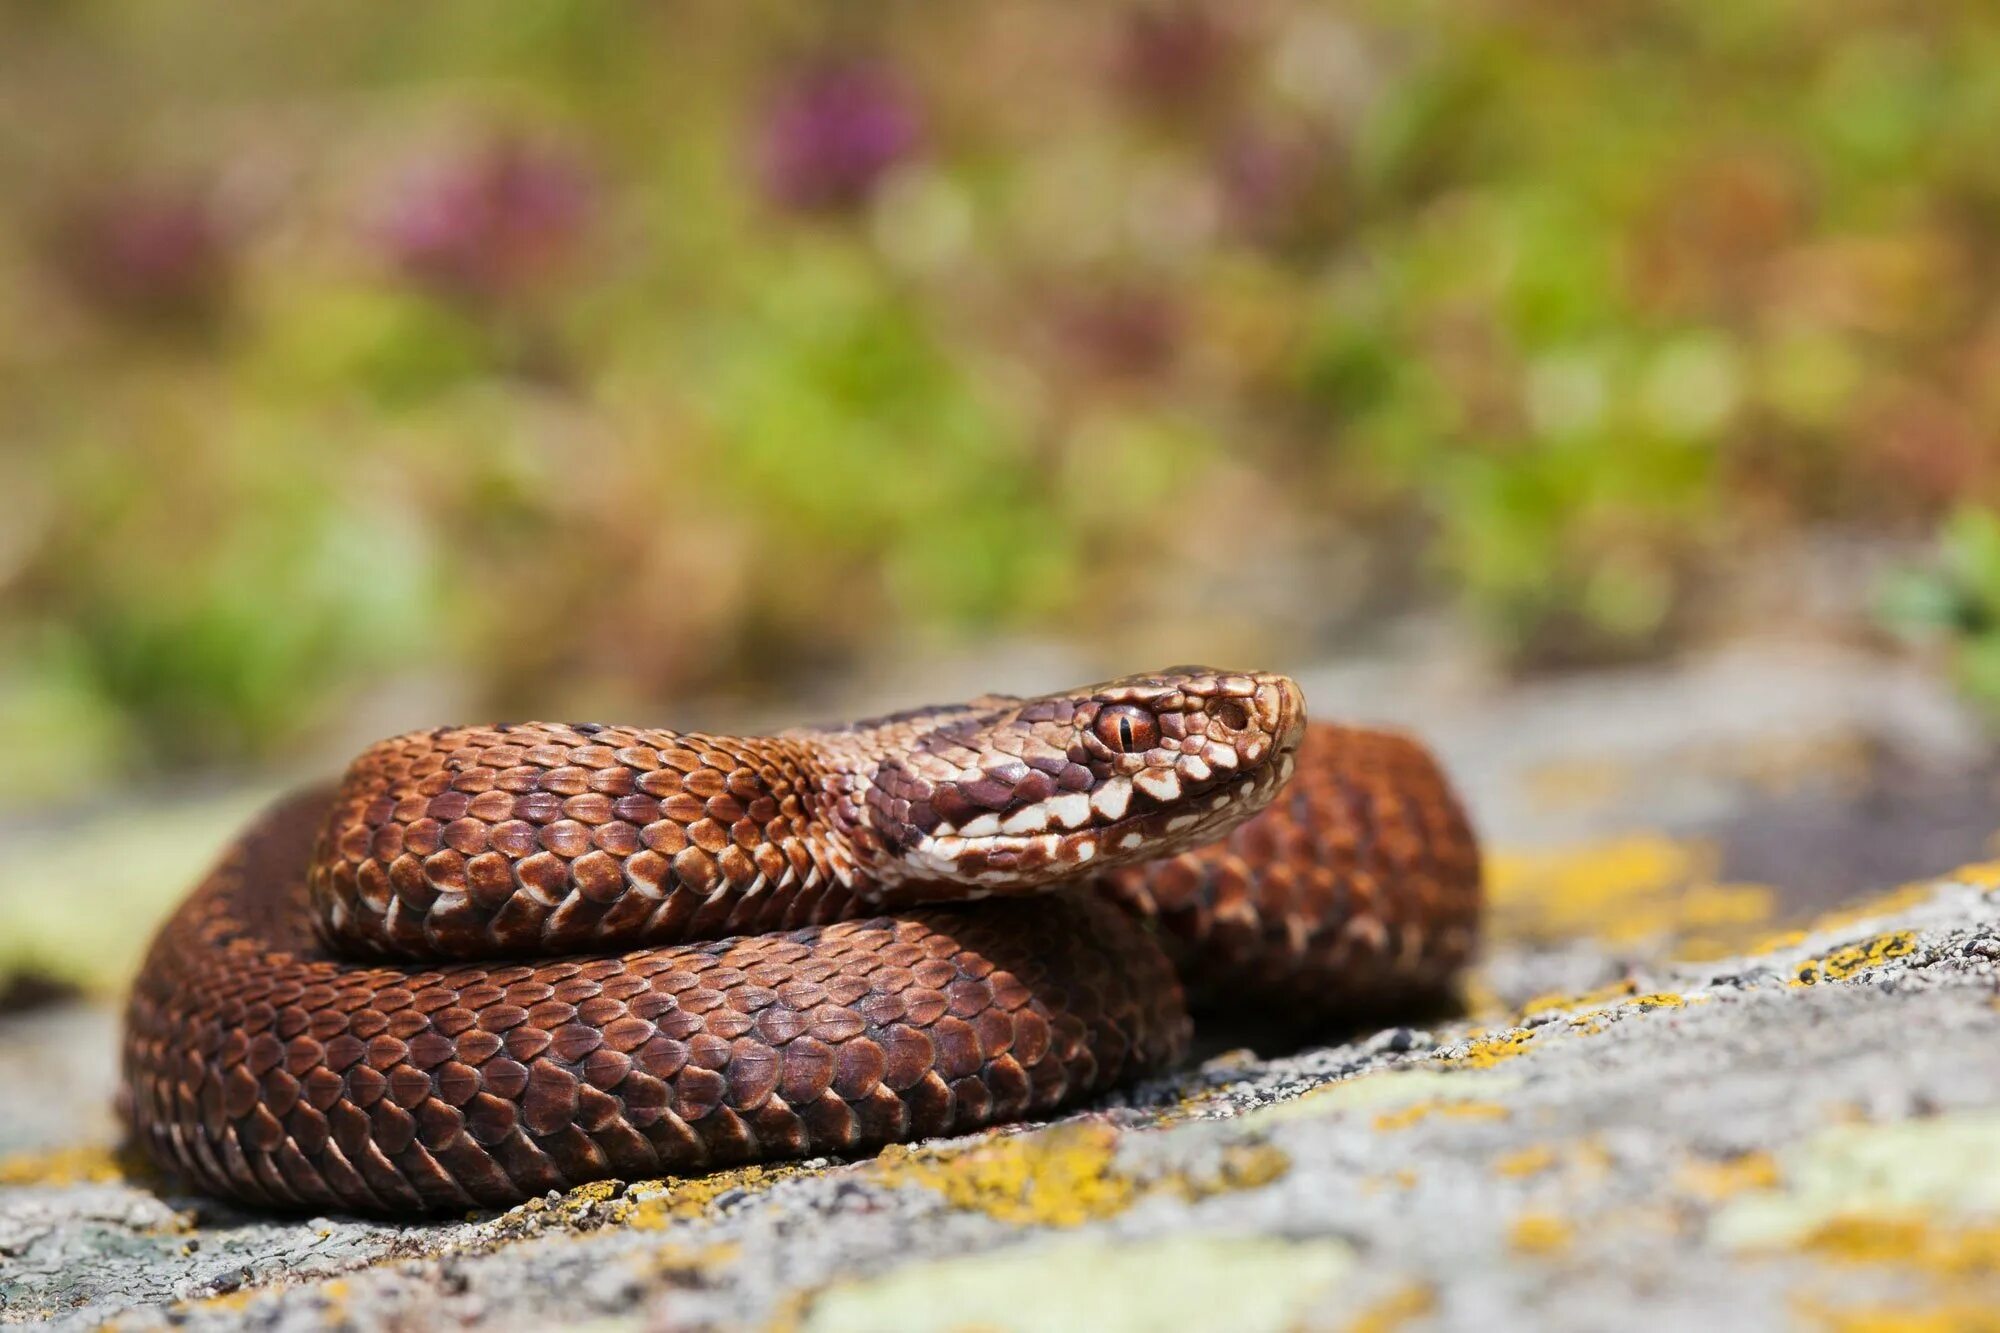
[[631, 351]]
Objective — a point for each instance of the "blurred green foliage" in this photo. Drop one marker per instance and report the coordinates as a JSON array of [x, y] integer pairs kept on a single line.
[[662, 348], [1957, 600]]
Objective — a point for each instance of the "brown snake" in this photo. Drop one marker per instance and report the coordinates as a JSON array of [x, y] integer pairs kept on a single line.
[[503, 960]]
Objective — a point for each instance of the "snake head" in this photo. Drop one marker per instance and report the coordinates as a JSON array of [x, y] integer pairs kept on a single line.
[[1007, 795]]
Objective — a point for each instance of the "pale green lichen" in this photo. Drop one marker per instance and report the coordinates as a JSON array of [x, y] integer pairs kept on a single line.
[[1383, 1091], [1447, 1110], [1942, 1168], [1251, 1284]]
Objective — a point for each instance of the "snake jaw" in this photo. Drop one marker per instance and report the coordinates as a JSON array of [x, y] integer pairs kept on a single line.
[[1019, 793]]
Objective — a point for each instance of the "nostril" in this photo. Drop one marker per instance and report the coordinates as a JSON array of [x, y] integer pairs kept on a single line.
[[1232, 714]]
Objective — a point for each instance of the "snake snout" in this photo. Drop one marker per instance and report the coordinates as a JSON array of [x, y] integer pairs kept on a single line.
[[1282, 704]]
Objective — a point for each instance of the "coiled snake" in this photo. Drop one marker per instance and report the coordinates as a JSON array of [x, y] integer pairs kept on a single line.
[[501, 960]]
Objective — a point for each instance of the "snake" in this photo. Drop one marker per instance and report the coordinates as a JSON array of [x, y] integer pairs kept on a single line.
[[495, 961]]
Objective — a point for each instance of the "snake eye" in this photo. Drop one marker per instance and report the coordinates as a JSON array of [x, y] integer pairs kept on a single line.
[[1232, 715], [1126, 729]]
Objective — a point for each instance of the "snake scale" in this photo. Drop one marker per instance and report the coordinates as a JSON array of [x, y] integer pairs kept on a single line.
[[501, 960]]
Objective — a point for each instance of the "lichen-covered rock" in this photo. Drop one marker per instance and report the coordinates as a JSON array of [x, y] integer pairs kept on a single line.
[[1664, 1107], [1807, 1131]]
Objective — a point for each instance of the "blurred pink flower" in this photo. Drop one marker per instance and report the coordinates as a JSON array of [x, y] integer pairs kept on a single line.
[[1119, 331], [1273, 184], [1174, 55], [832, 131], [491, 222], [151, 252]]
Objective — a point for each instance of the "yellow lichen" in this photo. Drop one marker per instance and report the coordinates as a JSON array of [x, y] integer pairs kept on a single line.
[[1405, 1304], [1592, 1157], [641, 1204], [1530, 1161], [1970, 1316], [62, 1166], [1899, 899], [1064, 1176], [1980, 874], [1482, 1002], [1559, 1000], [1411, 1115], [1719, 1180], [1909, 1240], [1604, 1001], [1243, 1166], [1540, 1233], [1625, 890], [1706, 948], [1576, 784], [654, 1204], [228, 1302], [675, 1261], [1488, 1049], [1958, 1262], [1845, 962], [1616, 888], [1658, 1000]]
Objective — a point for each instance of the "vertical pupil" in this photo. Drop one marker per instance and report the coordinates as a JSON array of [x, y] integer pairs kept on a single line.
[[1124, 732]]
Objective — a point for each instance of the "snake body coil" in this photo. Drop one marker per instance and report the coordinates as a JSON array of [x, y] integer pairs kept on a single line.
[[498, 961]]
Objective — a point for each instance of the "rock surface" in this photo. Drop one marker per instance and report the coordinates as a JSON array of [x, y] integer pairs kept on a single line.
[[1660, 1101]]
